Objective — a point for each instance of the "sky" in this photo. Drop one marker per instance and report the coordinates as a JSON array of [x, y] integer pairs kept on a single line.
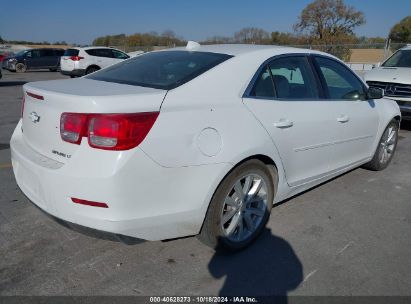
[[83, 20]]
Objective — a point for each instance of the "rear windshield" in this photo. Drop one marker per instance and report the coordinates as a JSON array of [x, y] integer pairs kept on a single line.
[[161, 70], [71, 52], [402, 59]]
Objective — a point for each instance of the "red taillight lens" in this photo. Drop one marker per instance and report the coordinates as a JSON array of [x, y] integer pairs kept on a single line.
[[88, 203], [76, 58], [107, 131], [119, 131], [36, 96], [73, 127], [23, 101]]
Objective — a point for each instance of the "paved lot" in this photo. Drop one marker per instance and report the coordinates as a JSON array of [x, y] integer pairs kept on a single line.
[[350, 236]]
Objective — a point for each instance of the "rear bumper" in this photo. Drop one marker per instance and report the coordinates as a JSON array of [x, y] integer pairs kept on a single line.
[[145, 200], [104, 235], [76, 72]]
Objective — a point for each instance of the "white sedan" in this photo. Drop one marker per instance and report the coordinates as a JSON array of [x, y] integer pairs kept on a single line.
[[197, 141]]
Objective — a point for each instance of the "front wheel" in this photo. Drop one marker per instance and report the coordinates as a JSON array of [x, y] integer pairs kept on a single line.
[[21, 68], [386, 148], [240, 207]]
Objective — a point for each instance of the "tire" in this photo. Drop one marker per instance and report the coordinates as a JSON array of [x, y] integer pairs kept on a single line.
[[92, 69], [227, 223], [53, 70], [386, 148], [21, 68]]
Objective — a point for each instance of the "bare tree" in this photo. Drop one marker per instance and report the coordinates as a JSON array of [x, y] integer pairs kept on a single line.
[[169, 34], [251, 35]]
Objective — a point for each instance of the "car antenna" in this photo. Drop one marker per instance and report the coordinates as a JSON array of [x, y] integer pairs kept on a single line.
[[192, 45]]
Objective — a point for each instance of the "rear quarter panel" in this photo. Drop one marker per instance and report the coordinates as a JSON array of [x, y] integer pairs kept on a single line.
[[208, 111]]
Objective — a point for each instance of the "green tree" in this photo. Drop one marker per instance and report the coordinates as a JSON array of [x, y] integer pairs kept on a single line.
[[401, 32], [330, 23]]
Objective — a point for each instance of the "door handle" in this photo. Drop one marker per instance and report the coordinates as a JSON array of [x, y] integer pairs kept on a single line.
[[283, 123], [343, 118]]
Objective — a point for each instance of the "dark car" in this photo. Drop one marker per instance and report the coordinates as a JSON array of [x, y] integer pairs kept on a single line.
[[35, 59]]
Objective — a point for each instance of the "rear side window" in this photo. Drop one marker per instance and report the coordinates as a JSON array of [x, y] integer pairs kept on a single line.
[[286, 78], [46, 53], [161, 70], [264, 85], [100, 53], [71, 52], [340, 81]]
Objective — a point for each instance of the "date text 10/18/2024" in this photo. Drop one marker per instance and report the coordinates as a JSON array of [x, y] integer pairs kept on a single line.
[[199, 299]]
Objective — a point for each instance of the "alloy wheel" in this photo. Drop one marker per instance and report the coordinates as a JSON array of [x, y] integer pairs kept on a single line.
[[244, 208], [387, 143]]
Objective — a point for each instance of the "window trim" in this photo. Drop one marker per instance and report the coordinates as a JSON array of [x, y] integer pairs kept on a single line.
[[265, 64], [323, 82]]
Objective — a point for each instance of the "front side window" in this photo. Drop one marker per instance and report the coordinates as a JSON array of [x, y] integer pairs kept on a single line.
[[288, 77], [119, 55], [21, 53], [161, 70], [340, 81], [35, 53], [401, 59]]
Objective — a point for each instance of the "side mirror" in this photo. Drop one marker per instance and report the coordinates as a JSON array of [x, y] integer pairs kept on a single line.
[[375, 93]]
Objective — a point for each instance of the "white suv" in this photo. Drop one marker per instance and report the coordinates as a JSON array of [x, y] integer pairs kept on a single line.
[[83, 61], [394, 77]]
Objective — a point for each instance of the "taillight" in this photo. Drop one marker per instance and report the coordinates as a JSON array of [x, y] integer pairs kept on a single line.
[[119, 131], [73, 127], [107, 131], [76, 58], [88, 203], [23, 101], [36, 96]]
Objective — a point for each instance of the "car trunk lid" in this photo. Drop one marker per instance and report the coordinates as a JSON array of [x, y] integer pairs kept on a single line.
[[46, 101]]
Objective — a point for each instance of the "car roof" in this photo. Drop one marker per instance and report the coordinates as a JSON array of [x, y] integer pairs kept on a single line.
[[241, 49], [93, 47]]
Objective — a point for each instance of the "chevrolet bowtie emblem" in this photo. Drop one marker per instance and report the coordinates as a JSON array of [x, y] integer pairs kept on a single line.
[[34, 117]]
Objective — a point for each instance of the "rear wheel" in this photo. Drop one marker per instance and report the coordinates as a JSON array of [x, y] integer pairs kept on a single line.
[[21, 68], [92, 69], [386, 148], [240, 207]]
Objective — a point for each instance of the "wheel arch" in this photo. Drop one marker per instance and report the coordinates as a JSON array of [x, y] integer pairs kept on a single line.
[[93, 66], [267, 160]]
